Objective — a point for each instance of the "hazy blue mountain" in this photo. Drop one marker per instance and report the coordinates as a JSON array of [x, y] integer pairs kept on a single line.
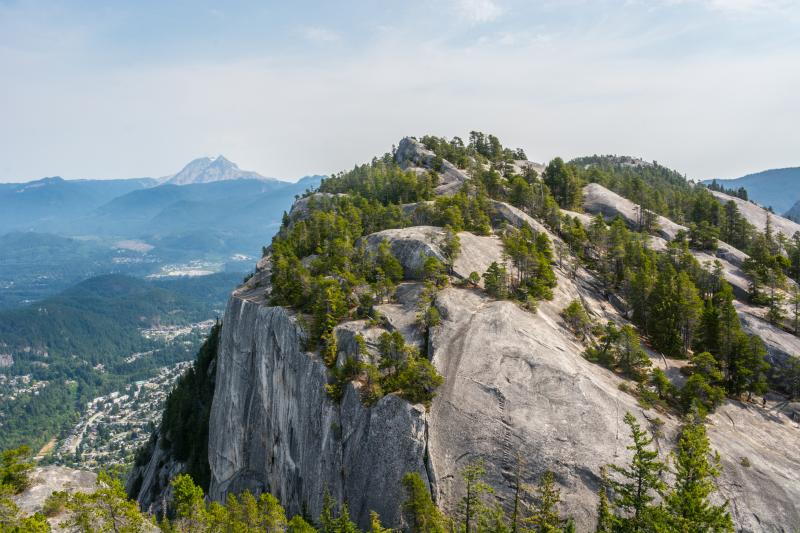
[[49, 201], [794, 212], [777, 188], [207, 170]]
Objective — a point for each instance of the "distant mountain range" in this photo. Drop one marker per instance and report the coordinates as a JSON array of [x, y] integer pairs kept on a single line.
[[777, 188], [56, 232]]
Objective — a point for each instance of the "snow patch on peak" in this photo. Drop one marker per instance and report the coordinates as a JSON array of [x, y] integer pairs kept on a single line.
[[208, 170]]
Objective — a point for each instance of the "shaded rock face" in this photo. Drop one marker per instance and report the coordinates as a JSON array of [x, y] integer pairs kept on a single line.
[[150, 483], [273, 428]]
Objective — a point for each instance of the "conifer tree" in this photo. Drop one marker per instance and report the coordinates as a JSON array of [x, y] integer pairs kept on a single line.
[[687, 504], [545, 517], [472, 507], [641, 482], [422, 513]]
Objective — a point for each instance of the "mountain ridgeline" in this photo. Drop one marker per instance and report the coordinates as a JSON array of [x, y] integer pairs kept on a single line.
[[210, 216], [451, 317]]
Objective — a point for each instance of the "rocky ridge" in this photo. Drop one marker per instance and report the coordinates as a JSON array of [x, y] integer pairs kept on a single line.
[[516, 386]]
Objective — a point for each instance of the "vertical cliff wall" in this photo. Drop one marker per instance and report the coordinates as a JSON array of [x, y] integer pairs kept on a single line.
[[275, 429]]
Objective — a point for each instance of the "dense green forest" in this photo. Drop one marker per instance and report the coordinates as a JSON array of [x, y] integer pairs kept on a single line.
[[78, 342]]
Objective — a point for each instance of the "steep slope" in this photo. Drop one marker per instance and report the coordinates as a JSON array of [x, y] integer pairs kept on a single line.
[[777, 188], [516, 386], [757, 215], [780, 344]]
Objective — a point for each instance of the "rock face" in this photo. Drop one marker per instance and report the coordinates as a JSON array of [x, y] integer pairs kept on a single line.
[[757, 215], [516, 385], [411, 246], [274, 428], [48, 479], [598, 199], [150, 483], [412, 155]]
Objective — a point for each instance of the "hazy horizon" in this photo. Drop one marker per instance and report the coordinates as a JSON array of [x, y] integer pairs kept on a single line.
[[93, 90]]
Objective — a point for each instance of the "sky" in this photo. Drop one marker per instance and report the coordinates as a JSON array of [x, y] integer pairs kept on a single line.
[[102, 89]]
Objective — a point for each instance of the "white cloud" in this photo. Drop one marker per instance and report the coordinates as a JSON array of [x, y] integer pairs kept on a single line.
[[479, 11], [318, 34]]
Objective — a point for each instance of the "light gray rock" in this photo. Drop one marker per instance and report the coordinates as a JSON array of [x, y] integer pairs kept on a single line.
[[45, 480], [528, 392], [515, 384], [301, 207], [757, 215], [411, 155], [412, 245], [598, 199], [781, 346]]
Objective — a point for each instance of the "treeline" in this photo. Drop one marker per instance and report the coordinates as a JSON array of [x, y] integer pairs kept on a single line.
[[632, 497], [741, 192]]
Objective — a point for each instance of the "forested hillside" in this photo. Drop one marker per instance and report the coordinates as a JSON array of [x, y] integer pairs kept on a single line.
[[67, 349]]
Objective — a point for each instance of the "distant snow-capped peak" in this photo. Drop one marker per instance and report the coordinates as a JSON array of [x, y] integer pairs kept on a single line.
[[208, 170]]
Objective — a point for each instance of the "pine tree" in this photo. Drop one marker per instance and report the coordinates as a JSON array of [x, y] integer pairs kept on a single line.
[[687, 505], [606, 520], [641, 481], [495, 280], [421, 512], [472, 507], [631, 358], [545, 518]]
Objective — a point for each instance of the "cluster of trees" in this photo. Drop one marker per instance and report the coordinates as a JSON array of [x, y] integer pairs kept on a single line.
[[383, 180], [741, 192], [401, 369], [683, 308], [480, 148], [466, 210], [531, 275]]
